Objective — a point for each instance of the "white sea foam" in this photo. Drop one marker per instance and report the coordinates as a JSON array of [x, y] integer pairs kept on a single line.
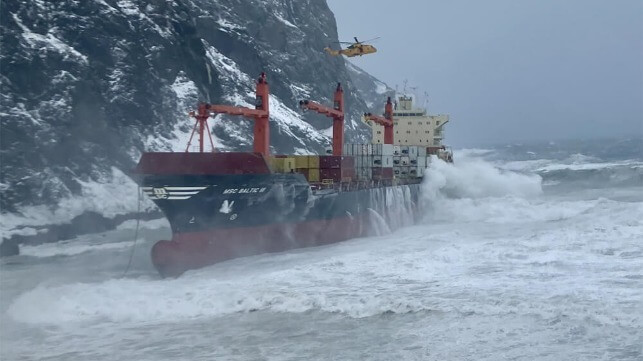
[[476, 178], [69, 248]]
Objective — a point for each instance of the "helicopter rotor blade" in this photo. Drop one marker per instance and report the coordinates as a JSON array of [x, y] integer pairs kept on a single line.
[[365, 41]]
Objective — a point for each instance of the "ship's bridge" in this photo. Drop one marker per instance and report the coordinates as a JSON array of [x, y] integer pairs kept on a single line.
[[412, 126]]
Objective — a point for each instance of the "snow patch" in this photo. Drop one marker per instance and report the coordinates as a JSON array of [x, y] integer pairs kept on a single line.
[[49, 42], [281, 18], [288, 119]]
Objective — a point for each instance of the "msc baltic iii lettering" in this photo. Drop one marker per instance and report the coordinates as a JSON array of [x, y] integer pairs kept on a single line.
[[223, 205]]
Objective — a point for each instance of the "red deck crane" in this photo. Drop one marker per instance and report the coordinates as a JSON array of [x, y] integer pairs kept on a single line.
[[261, 142], [386, 121], [336, 112]]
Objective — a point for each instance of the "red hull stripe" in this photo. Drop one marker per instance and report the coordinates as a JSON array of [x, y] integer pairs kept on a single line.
[[198, 249]]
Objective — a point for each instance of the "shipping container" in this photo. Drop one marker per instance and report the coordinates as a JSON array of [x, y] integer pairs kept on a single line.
[[421, 161], [421, 152], [377, 161], [420, 171], [368, 161], [404, 172], [397, 150], [382, 173], [387, 149], [348, 162], [397, 171], [337, 175], [311, 174], [301, 161], [364, 174], [313, 161], [387, 161], [377, 149], [405, 160], [397, 161], [347, 149], [282, 165], [404, 149], [330, 161], [413, 151]]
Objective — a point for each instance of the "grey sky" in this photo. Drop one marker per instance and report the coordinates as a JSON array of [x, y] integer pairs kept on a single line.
[[509, 70]]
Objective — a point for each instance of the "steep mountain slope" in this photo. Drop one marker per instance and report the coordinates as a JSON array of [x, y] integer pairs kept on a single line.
[[87, 86]]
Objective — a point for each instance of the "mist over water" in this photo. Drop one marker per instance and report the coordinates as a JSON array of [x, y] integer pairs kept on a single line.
[[522, 252]]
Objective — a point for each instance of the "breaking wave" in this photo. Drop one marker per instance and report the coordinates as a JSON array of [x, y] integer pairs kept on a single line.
[[475, 178]]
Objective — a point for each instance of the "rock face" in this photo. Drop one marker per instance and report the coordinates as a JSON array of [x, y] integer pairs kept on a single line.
[[88, 85]]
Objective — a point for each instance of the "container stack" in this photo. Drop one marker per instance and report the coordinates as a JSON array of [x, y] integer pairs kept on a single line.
[[372, 161], [363, 162], [336, 169], [282, 164], [308, 165]]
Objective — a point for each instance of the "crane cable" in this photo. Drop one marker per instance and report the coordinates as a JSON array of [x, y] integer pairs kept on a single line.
[[138, 222]]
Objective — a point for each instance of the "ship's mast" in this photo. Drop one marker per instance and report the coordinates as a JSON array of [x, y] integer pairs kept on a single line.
[[261, 140], [336, 112], [386, 121]]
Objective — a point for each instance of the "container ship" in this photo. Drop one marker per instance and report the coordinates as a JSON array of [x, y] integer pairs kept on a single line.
[[224, 205]]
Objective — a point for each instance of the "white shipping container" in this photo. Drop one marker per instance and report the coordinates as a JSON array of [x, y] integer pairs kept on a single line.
[[421, 162], [413, 151], [397, 171], [387, 161], [377, 161], [404, 149], [420, 171], [421, 152], [413, 161], [397, 150], [369, 149], [364, 149], [397, 161], [377, 149], [413, 172], [404, 171], [405, 160], [387, 149]]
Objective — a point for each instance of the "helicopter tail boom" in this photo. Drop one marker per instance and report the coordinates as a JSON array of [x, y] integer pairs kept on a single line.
[[331, 51]]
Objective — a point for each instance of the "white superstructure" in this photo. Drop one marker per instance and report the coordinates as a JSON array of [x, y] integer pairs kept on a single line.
[[412, 126]]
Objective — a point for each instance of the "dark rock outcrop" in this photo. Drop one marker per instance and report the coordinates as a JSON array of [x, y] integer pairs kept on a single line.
[[86, 86]]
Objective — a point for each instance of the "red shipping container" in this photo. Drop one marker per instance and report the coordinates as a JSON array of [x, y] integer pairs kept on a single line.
[[330, 161], [337, 175], [382, 173], [348, 162]]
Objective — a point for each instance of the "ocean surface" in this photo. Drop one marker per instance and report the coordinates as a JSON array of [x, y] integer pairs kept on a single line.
[[524, 252]]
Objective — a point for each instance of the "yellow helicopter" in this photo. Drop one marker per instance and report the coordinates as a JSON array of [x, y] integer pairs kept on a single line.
[[355, 49]]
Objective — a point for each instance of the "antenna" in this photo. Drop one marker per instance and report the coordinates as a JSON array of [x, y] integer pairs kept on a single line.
[[405, 81]]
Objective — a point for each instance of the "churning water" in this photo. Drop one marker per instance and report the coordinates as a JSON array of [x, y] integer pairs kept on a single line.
[[524, 253]]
